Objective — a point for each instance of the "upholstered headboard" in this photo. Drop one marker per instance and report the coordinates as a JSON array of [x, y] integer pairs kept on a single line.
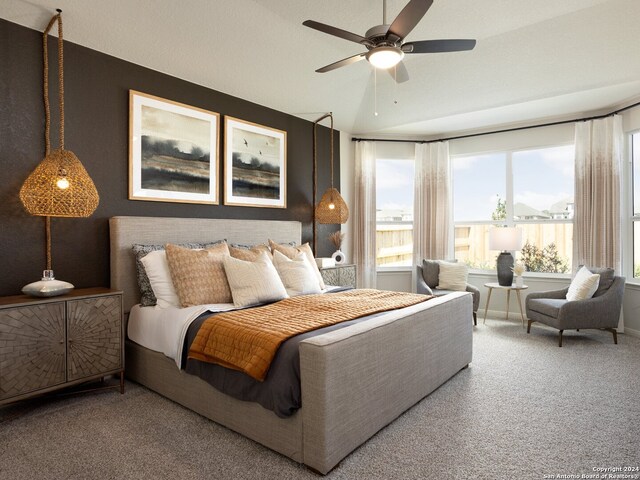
[[125, 231]]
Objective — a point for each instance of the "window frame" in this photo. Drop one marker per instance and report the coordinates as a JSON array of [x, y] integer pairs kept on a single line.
[[509, 220], [630, 204]]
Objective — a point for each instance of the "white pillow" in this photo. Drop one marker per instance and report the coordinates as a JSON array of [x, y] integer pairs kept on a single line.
[[297, 274], [583, 285], [452, 276], [157, 268], [253, 282]]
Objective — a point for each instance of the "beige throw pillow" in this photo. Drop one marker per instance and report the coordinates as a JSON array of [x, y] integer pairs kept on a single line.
[[583, 285], [452, 276], [198, 275], [291, 252], [296, 274], [253, 282]]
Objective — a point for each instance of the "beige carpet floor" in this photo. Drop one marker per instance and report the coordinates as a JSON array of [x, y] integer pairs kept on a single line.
[[524, 409]]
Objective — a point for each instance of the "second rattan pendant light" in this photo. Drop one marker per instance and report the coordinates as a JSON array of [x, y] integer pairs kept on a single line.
[[59, 186], [332, 209]]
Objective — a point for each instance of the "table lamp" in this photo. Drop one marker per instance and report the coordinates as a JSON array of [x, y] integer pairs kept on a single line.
[[506, 239]]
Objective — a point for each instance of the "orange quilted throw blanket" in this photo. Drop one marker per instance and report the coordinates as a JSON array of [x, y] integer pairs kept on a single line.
[[247, 340]]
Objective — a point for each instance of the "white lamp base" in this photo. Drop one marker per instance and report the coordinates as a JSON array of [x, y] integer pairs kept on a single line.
[[47, 287]]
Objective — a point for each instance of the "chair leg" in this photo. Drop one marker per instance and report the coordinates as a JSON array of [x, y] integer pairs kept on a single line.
[[615, 334], [560, 344], [529, 325], [475, 318]]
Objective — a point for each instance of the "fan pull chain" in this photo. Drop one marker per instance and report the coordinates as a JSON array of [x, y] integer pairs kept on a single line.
[[395, 84], [375, 92]]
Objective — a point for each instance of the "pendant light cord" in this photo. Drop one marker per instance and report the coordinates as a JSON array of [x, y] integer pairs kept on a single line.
[[315, 174], [47, 110]]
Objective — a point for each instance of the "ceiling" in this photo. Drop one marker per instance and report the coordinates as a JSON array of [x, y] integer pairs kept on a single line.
[[533, 61]]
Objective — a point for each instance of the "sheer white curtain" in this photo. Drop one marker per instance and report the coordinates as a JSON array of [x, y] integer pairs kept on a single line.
[[431, 204], [597, 218], [364, 234]]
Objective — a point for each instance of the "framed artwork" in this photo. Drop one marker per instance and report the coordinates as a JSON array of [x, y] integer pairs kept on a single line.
[[255, 165], [173, 151]]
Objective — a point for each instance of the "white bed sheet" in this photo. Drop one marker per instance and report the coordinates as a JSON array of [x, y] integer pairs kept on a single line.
[[164, 329]]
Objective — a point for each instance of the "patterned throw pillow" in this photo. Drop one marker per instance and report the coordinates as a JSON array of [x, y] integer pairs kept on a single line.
[[253, 282], [292, 252], [147, 298], [198, 275], [248, 253]]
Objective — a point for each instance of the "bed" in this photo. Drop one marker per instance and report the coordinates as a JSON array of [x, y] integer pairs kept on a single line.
[[354, 380]]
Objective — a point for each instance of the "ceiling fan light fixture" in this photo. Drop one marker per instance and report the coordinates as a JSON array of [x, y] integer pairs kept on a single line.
[[384, 57]]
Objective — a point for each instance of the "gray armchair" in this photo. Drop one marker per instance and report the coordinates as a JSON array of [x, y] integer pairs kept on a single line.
[[602, 311], [427, 281]]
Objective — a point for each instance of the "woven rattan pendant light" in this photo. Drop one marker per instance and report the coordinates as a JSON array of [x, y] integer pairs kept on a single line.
[[59, 186], [332, 209]]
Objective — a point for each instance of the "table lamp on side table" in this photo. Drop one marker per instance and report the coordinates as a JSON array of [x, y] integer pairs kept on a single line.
[[506, 239]]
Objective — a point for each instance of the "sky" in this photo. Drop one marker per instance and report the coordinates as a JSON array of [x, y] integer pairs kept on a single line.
[[394, 184], [540, 178]]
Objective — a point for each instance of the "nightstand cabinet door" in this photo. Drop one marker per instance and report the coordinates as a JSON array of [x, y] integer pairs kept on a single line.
[[331, 276], [32, 348], [94, 335], [348, 275], [340, 275]]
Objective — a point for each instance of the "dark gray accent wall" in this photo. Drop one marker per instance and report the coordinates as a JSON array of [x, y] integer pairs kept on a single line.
[[96, 130]]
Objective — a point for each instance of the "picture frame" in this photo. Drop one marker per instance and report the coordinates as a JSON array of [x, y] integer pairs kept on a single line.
[[255, 165], [173, 151]]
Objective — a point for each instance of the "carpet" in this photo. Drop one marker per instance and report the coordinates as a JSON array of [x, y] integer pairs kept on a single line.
[[525, 408]]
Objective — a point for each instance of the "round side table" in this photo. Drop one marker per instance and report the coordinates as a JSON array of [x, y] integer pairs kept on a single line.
[[496, 285]]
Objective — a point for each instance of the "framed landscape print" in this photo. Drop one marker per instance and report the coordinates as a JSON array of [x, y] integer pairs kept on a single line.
[[255, 165], [173, 151]]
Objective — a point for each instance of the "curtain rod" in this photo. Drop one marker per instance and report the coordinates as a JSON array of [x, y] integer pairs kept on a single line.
[[515, 129]]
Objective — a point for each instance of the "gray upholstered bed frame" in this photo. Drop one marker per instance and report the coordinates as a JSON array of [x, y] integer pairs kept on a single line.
[[354, 380]]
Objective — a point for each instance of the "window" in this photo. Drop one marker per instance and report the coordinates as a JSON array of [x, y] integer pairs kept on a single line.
[[394, 212], [531, 189], [635, 162]]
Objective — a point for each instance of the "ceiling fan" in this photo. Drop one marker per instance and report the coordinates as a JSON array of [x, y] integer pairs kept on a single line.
[[385, 43]]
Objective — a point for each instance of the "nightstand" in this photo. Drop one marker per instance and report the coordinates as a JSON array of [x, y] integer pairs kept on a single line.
[[340, 275], [50, 343]]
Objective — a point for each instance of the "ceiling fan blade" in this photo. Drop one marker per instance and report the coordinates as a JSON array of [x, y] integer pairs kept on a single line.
[[400, 75], [436, 46], [408, 18], [336, 32], [342, 63]]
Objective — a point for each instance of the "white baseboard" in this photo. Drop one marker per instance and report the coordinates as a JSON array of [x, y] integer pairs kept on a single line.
[[515, 316], [632, 332], [500, 315]]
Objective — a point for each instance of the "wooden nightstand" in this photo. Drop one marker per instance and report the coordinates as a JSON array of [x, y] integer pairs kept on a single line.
[[340, 275], [55, 342]]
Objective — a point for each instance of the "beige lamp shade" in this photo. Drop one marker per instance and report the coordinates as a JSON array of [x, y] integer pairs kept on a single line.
[[59, 187], [332, 208], [505, 238]]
